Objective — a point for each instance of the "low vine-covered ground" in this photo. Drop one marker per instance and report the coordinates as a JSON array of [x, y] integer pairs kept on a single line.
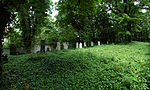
[[104, 67]]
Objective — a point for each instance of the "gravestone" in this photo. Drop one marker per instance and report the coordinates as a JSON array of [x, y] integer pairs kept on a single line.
[[4, 58], [66, 44], [52, 48], [36, 48], [42, 46], [13, 50], [84, 44], [77, 45], [80, 46], [6, 51], [58, 46], [48, 48], [99, 43], [20, 50], [92, 43], [107, 42]]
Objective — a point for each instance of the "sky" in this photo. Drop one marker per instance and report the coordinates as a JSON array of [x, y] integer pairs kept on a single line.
[[55, 0], [54, 12]]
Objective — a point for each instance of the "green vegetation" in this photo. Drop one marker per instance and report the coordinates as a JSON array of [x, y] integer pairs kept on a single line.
[[101, 67], [108, 20], [124, 66]]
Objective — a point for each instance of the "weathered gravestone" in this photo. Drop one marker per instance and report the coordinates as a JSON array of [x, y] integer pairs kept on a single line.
[[13, 49], [84, 44], [77, 45], [99, 43], [80, 45], [36, 48], [58, 46], [42, 46], [6, 51], [66, 45], [4, 58], [92, 44]]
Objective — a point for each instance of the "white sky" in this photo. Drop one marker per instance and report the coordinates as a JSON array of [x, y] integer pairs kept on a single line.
[[55, 0], [135, 3], [54, 12]]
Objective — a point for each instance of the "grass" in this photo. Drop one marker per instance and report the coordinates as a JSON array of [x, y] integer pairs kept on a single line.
[[104, 67]]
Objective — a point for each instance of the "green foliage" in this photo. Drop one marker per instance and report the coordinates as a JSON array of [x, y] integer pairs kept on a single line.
[[6, 45], [76, 14], [14, 37], [52, 34], [93, 22], [100, 67], [31, 15], [67, 34]]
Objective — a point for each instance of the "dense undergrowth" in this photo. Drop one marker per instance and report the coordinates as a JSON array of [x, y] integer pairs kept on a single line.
[[104, 67]]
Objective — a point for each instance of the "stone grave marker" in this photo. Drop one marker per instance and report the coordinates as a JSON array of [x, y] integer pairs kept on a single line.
[[80, 45], [42, 46], [13, 49], [65, 44], [58, 46], [48, 47], [77, 45], [92, 44], [99, 43], [84, 44], [107, 42]]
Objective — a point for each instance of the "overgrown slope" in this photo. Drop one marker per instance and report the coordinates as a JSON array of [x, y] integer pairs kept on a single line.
[[101, 67]]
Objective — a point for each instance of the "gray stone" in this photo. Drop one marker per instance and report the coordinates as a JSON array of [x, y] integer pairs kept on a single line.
[[99, 43], [6, 51], [92, 44], [84, 44], [80, 45], [48, 48], [66, 45], [77, 45], [58, 46]]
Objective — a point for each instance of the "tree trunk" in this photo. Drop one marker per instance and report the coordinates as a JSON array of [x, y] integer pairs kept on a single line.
[[26, 29], [4, 18], [1, 36], [129, 29]]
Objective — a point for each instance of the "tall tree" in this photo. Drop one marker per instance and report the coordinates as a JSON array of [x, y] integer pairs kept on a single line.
[[31, 17], [127, 14], [4, 18], [29, 12], [75, 13]]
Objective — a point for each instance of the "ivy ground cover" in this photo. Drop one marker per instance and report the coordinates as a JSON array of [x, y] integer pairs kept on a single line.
[[104, 67]]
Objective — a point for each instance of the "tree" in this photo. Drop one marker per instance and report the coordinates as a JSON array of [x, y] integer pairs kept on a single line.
[[127, 15], [93, 22], [4, 19], [31, 17], [30, 14], [75, 13]]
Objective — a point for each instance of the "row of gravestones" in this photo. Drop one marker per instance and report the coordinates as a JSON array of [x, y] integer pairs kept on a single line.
[[81, 45], [65, 46], [37, 48]]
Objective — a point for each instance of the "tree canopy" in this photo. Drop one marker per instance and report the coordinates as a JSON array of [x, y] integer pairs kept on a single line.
[[113, 21], [28, 16]]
